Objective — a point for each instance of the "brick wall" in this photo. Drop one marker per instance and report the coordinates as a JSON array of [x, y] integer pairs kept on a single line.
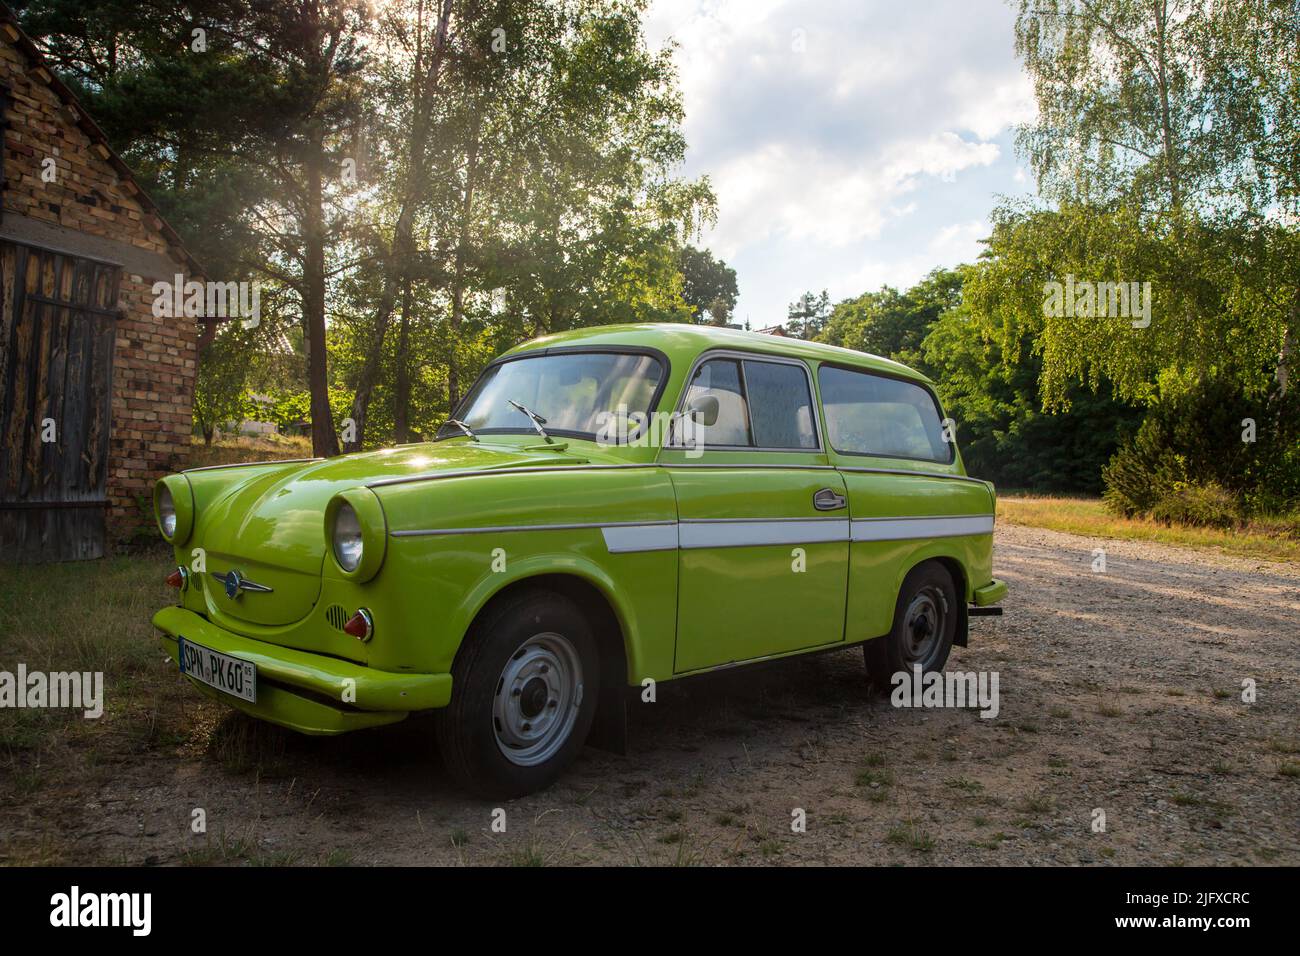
[[155, 359]]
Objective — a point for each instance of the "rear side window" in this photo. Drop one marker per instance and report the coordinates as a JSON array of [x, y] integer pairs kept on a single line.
[[779, 405], [760, 404], [875, 415]]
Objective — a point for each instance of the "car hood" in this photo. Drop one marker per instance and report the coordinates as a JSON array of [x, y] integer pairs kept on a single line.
[[270, 525]]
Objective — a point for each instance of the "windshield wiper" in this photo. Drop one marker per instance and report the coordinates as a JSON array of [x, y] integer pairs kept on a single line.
[[462, 426], [538, 420]]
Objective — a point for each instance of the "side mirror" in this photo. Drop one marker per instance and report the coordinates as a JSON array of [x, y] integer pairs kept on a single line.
[[703, 410]]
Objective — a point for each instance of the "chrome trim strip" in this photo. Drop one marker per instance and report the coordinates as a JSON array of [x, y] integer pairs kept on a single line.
[[534, 469], [508, 528], [904, 529], [502, 470], [248, 464], [914, 474], [625, 537], [654, 536], [722, 465], [746, 533]]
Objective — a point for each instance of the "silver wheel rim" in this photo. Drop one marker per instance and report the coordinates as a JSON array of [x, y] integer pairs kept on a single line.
[[923, 626], [537, 700]]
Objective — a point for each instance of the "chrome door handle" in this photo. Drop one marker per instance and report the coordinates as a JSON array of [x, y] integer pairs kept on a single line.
[[828, 499]]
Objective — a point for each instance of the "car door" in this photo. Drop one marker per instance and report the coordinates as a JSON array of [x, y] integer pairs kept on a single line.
[[763, 521], [908, 496]]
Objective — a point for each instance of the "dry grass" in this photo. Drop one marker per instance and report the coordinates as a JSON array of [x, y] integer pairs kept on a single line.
[[94, 616], [87, 616], [228, 451], [1088, 516]]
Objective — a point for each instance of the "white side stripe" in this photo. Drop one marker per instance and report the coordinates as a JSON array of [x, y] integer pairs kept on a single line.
[[620, 539], [632, 536], [902, 529], [740, 534]]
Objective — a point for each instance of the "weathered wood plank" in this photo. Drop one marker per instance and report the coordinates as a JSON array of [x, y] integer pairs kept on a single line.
[[58, 343]]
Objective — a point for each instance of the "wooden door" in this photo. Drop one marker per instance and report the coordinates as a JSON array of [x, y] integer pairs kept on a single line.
[[57, 333]]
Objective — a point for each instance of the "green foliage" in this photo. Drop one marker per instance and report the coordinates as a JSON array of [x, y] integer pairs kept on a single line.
[[893, 323], [1201, 505], [708, 285], [1198, 437], [807, 317], [1002, 432], [1142, 473], [219, 387], [516, 188]]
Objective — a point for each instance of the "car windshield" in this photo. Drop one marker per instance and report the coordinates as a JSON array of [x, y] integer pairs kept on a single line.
[[574, 391]]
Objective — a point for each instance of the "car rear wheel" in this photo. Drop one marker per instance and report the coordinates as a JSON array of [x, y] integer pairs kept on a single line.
[[524, 692], [925, 622]]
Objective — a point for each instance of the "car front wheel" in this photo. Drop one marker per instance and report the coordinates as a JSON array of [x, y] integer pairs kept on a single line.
[[524, 692], [925, 622]]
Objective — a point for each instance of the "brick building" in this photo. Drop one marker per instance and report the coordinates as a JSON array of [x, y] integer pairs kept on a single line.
[[95, 391]]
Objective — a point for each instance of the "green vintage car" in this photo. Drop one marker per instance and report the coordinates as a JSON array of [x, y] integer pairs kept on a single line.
[[609, 508]]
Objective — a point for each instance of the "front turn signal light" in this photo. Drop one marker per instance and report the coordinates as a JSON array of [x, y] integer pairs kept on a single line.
[[179, 579], [361, 625]]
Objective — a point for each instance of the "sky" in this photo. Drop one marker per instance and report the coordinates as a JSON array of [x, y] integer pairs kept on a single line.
[[851, 143]]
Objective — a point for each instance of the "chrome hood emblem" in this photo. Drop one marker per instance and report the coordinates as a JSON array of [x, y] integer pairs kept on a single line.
[[235, 583]]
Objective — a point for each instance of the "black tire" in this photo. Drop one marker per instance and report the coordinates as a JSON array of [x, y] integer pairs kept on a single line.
[[509, 667], [916, 638]]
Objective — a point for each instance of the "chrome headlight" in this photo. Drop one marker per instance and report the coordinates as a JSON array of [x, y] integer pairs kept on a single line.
[[166, 513], [348, 546]]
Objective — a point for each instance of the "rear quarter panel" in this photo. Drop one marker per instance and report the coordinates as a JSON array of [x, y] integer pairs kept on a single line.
[[877, 568]]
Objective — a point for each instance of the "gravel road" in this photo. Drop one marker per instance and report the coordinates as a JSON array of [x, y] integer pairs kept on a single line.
[[1120, 703]]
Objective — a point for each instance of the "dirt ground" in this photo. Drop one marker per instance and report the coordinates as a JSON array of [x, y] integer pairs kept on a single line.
[[1121, 694]]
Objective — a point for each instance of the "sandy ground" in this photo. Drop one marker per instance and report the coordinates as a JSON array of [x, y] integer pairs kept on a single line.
[[1121, 694]]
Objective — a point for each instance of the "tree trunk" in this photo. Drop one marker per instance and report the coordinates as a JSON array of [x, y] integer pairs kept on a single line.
[[402, 390], [324, 440], [1283, 374], [1166, 126], [458, 280]]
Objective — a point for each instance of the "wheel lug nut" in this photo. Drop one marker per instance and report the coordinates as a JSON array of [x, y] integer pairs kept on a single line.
[[515, 693], [527, 725]]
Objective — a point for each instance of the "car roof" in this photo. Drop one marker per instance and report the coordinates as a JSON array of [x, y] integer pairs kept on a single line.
[[680, 341]]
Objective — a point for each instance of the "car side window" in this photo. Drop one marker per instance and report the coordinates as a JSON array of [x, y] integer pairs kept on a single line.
[[780, 405], [760, 404], [870, 414], [720, 378]]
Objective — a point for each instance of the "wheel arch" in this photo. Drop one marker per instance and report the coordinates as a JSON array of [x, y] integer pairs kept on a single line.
[[613, 640], [960, 580]]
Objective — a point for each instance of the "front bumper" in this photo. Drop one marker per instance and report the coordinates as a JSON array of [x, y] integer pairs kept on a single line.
[[304, 691]]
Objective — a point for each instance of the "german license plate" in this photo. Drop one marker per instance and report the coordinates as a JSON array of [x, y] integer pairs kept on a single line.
[[230, 675]]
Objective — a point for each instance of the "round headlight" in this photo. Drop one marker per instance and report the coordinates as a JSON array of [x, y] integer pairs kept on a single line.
[[166, 513], [347, 537]]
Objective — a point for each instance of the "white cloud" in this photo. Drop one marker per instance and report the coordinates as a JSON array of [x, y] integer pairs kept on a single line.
[[872, 154], [805, 193]]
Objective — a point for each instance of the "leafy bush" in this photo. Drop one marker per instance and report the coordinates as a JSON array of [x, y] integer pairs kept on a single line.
[[1199, 438], [1142, 473], [1207, 505]]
